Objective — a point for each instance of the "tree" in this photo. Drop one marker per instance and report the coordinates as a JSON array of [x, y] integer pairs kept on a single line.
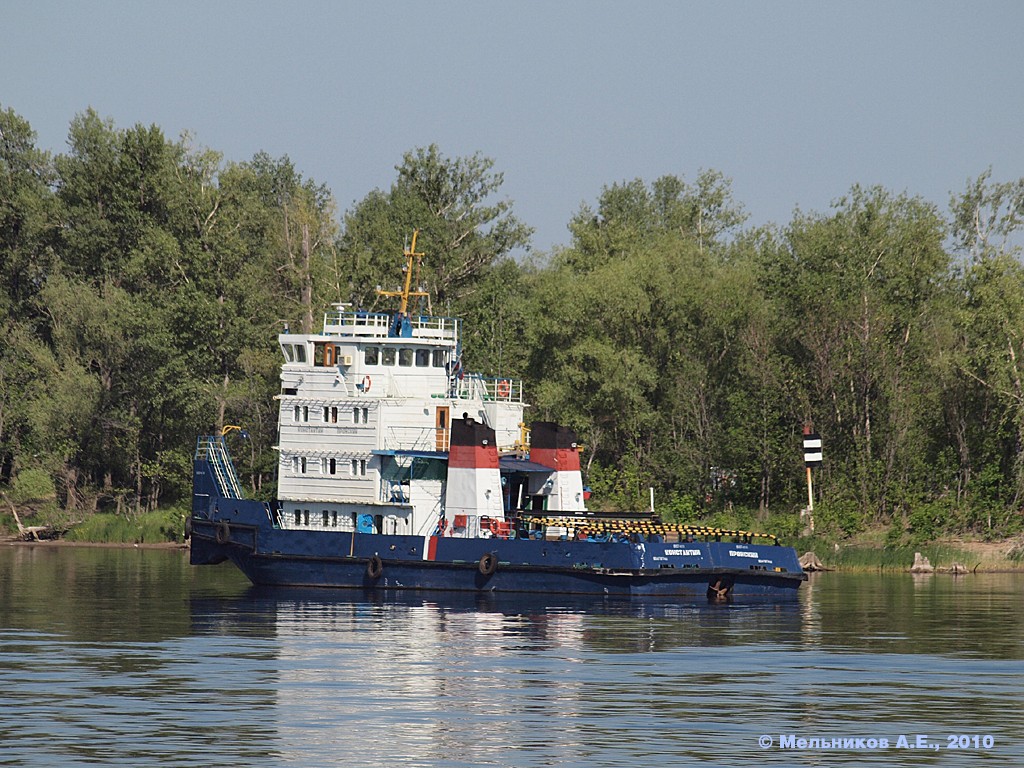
[[860, 289], [461, 231], [28, 225], [986, 409], [630, 214]]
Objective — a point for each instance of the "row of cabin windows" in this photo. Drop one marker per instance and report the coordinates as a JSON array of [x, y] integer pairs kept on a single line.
[[324, 355], [327, 355], [330, 414], [357, 467], [326, 519], [404, 356]]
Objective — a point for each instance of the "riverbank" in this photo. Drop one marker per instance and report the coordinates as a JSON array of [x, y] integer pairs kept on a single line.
[[16, 541], [975, 556]]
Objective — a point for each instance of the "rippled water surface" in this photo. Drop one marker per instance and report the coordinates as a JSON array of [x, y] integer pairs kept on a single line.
[[134, 658]]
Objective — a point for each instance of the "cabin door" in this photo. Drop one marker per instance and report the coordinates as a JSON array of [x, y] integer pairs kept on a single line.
[[441, 431]]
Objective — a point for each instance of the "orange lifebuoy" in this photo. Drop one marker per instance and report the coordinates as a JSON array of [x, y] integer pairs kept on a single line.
[[367, 381], [504, 388]]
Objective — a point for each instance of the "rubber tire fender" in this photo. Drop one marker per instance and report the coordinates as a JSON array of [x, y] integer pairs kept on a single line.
[[488, 563], [223, 532], [374, 567]]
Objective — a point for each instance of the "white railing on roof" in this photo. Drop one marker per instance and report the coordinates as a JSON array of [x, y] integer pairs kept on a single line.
[[377, 324], [428, 327], [474, 386], [339, 323]]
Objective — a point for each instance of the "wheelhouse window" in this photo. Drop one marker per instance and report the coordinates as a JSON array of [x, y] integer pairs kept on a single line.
[[422, 358], [405, 357], [371, 355], [387, 356], [437, 358], [300, 353], [288, 355]]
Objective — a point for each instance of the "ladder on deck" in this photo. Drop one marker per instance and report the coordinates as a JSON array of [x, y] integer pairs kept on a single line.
[[214, 450]]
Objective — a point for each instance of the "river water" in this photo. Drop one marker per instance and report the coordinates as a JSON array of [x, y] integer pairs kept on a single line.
[[129, 657]]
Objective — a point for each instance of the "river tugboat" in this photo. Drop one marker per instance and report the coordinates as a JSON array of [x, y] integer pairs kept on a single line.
[[398, 470]]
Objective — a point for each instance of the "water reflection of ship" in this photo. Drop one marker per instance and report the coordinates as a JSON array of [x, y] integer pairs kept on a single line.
[[419, 673], [581, 622]]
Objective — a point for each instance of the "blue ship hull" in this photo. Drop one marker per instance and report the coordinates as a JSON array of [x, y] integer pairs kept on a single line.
[[244, 532]]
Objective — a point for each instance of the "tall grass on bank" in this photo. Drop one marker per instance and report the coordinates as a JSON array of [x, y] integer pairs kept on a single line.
[[165, 525], [853, 558]]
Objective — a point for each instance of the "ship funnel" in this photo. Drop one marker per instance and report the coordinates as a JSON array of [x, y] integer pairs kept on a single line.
[[474, 482], [556, 447]]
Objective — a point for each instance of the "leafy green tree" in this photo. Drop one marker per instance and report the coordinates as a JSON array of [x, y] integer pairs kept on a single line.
[[860, 291], [462, 231], [987, 406], [641, 317], [630, 214], [28, 225]]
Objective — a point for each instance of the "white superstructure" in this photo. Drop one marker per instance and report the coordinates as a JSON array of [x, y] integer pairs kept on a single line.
[[364, 421]]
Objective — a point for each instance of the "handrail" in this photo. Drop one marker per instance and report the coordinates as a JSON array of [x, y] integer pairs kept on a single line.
[[500, 389], [214, 450], [603, 525], [377, 325]]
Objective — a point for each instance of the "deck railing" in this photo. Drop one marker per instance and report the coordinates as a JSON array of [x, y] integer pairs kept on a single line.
[[214, 451], [493, 388], [378, 324]]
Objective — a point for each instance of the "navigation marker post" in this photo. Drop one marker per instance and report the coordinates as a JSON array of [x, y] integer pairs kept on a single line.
[[812, 458]]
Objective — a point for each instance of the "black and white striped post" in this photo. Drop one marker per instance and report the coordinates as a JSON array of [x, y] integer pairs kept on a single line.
[[812, 458]]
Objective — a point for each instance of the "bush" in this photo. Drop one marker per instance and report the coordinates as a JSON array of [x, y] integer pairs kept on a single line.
[[841, 517], [32, 485], [151, 528], [927, 521], [680, 508]]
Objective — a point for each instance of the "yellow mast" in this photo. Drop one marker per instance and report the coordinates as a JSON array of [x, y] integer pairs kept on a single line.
[[410, 255]]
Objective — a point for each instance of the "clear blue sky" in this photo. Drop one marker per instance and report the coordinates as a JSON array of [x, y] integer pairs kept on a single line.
[[794, 101]]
